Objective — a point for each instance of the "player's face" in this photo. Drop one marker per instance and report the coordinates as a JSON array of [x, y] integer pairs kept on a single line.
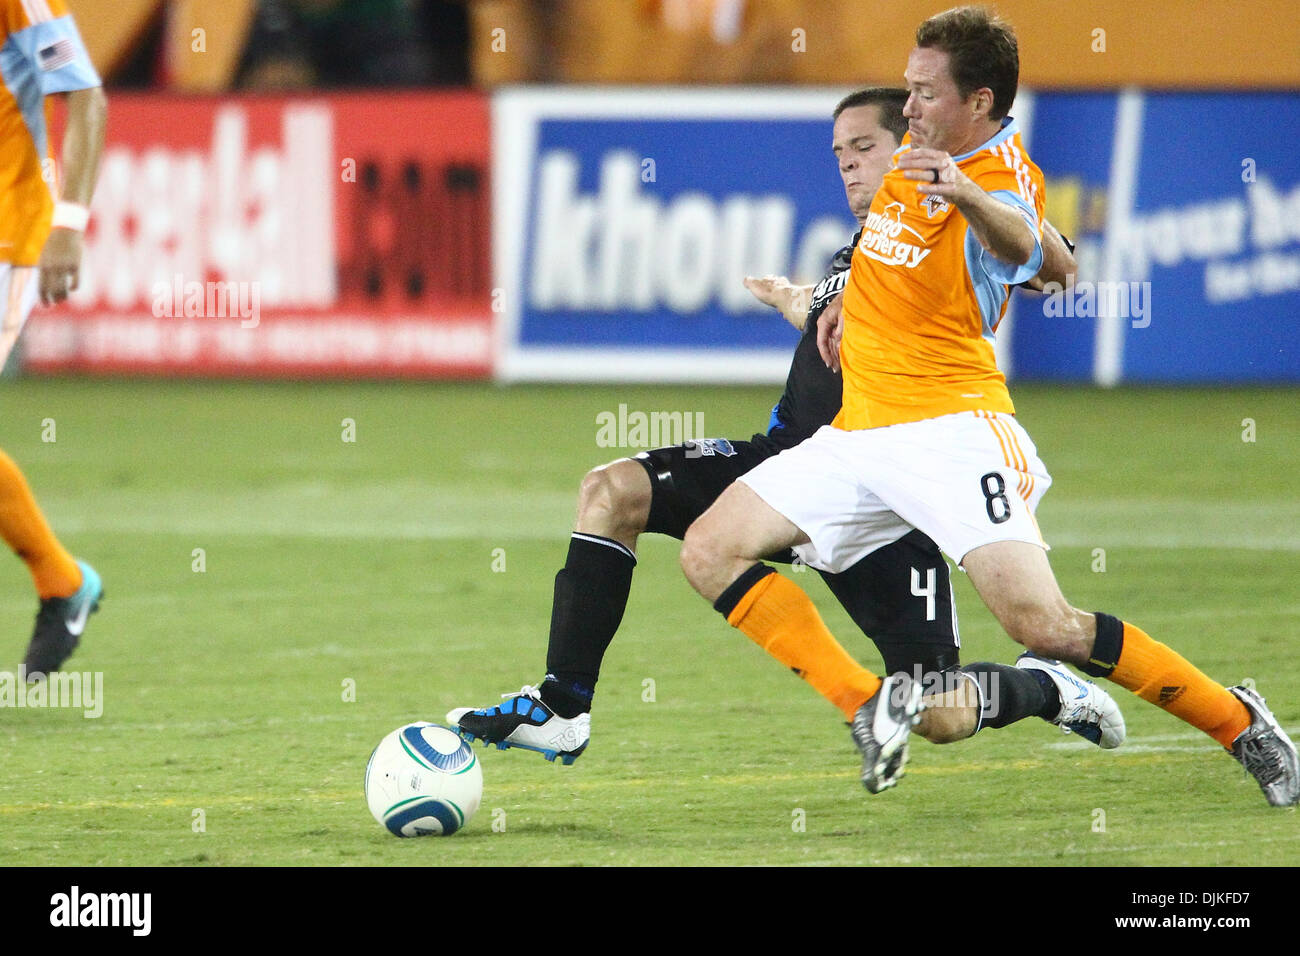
[[937, 115], [864, 151]]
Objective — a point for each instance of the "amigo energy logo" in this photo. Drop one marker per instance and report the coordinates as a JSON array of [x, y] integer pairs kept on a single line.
[[887, 239]]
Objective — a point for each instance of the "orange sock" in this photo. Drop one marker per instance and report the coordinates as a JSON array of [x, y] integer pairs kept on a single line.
[[781, 619], [1162, 677], [24, 529]]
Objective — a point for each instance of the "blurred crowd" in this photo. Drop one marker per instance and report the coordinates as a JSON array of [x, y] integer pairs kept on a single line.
[[278, 44], [298, 44], [334, 43], [213, 45]]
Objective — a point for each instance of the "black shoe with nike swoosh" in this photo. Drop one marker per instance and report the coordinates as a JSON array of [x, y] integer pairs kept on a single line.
[[59, 624]]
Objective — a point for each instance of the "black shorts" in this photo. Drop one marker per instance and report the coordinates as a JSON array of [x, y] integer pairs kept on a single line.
[[910, 629], [686, 479]]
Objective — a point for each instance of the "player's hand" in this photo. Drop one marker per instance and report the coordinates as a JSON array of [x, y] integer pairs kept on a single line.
[[60, 265], [830, 328], [934, 171], [781, 294]]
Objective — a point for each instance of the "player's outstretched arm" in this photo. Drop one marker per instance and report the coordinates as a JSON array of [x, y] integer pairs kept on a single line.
[[999, 227], [792, 301], [1058, 260], [83, 144]]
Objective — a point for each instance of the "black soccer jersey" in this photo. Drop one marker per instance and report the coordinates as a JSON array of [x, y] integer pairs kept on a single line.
[[812, 391]]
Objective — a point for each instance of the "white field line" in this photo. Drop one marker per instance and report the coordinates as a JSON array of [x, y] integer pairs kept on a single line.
[[439, 513], [1191, 742]]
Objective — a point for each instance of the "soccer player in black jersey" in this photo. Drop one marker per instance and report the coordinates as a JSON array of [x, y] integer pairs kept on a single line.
[[899, 595]]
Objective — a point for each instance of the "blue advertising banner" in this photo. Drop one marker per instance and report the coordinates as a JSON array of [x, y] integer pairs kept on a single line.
[[1187, 210], [1070, 138], [626, 222]]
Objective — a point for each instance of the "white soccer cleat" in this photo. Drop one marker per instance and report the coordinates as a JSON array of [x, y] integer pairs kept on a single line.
[[524, 721], [1086, 709]]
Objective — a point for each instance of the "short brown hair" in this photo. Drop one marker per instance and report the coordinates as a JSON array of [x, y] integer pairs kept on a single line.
[[982, 51], [887, 100]]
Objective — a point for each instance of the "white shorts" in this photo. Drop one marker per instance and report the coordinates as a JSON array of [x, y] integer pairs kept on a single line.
[[19, 289], [966, 480]]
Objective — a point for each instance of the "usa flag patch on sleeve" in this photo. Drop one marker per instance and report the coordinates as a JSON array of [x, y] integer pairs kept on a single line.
[[57, 54]]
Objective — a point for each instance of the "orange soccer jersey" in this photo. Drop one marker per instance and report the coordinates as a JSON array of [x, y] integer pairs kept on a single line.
[[40, 53], [924, 298]]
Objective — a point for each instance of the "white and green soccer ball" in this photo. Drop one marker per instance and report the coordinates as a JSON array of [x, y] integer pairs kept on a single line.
[[423, 780]]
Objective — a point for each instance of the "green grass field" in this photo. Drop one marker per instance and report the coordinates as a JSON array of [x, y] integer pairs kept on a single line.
[[329, 562]]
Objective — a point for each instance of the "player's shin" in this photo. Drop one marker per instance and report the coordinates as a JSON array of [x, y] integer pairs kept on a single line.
[[779, 617], [24, 528], [591, 592], [1128, 656], [1009, 694], [963, 701]]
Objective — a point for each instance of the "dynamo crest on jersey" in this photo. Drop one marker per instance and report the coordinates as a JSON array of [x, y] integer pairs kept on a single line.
[[708, 447], [934, 205]]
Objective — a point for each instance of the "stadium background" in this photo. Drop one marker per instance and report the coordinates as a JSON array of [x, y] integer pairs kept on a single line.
[[376, 226], [348, 514]]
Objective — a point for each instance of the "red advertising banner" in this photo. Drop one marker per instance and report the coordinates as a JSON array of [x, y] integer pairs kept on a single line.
[[330, 235]]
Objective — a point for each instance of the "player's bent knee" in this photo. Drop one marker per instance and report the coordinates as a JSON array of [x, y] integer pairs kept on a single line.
[[949, 717], [696, 557], [614, 499], [939, 732]]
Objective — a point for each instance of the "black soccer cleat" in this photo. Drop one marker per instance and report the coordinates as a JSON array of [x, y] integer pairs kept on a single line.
[[1267, 752], [59, 624], [880, 729]]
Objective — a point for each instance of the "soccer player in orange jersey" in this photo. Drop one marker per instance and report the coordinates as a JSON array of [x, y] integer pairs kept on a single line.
[[42, 218], [662, 491], [927, 433]]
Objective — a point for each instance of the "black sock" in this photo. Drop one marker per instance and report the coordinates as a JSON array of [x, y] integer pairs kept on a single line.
[[1013, 693], [590, 596], [1106, 647], [737, 589]]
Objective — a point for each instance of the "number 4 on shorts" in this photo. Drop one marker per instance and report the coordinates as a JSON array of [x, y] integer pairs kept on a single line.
[[927, 592]]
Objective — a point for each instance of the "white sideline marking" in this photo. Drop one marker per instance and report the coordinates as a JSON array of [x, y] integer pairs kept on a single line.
[[1160, 743]]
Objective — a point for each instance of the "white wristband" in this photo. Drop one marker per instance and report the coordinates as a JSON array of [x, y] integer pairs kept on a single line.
[[70, 215]]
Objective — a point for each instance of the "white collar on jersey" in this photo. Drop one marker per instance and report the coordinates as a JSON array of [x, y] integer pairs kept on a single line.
[[1009, 128]]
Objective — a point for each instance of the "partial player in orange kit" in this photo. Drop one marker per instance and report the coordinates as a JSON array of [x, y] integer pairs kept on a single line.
[[42, 218]]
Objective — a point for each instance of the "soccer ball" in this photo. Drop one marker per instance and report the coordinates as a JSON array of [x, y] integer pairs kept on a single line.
[[423, 780]]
